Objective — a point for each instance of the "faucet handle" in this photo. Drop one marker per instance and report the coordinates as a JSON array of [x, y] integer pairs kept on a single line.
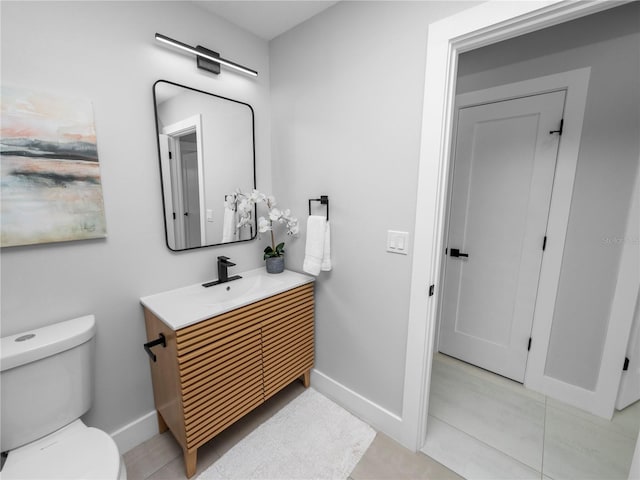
[[225, 260]]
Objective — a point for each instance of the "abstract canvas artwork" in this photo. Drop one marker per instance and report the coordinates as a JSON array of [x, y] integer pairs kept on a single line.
[[50, 184]]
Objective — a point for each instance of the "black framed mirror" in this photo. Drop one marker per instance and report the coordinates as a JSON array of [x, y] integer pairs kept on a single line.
[[206, 151]]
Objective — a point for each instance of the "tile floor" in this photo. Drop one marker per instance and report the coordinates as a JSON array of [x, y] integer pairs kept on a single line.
[[485, 426], [160, 458]]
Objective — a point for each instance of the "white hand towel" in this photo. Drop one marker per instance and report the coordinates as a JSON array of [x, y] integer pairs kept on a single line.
[[228, 224], [326, 256], [314, 250]]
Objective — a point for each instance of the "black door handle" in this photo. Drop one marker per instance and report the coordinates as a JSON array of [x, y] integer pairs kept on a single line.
[[454, 252], [161, 340]]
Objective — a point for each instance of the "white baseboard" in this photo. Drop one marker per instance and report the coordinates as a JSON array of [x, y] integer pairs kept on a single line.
[[136, 432], [390, 424], [378, 417]]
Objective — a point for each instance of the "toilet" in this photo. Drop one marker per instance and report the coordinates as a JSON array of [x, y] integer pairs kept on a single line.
[[45, 387]]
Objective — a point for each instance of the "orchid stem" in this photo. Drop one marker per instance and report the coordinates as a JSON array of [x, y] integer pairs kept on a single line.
[[273, 240]]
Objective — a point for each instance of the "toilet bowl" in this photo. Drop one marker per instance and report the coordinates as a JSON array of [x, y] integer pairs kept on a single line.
[[75, 451], [45, 378]]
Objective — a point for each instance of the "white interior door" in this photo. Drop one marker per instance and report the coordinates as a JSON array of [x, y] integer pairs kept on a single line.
[[504, 164], [191, 190], [629, 390]]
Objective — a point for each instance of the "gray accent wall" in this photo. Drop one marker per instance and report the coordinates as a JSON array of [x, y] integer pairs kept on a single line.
[[346, 90]]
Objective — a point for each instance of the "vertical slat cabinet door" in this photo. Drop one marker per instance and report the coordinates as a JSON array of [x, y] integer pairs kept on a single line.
[[288, 339], [220, 362]]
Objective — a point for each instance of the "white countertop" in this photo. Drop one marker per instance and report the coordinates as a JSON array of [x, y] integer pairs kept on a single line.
[[185, 306]]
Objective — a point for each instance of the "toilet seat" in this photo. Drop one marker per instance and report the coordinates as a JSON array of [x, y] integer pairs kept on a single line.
[[73, 452]]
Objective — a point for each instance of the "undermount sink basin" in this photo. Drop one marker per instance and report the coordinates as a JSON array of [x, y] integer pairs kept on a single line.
[[188, 305]]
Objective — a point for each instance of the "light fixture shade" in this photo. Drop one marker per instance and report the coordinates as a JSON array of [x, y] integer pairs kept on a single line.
[[206, 59]]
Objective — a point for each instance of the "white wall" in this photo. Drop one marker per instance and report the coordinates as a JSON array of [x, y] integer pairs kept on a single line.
[[607, 165], [347, 89], [106, 52]]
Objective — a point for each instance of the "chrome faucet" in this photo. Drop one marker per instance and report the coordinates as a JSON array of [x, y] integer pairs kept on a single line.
[[223, 274]]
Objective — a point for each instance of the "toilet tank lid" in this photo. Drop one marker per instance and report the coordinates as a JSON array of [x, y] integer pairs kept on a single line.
[[33, 345]]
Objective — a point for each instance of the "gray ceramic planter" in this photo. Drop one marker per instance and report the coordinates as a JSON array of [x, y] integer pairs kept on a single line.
[[275, 264]]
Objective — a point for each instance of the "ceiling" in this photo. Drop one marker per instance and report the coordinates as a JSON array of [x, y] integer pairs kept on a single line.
[[266, 19]]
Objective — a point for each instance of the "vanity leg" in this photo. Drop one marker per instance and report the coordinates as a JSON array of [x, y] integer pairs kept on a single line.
[[306, 379], [162, 425], [190, 460]]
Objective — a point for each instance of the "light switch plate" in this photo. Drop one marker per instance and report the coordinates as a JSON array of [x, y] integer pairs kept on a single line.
[[397, 242]]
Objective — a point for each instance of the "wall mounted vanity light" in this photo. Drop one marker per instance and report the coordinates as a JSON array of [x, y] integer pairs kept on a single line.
[[206, 59]]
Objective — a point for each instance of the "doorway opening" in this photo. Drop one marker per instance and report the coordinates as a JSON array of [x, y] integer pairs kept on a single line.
[[181, 159], [485, 25]]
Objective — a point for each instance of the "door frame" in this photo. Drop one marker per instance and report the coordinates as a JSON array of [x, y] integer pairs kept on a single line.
[[575, 83], [628, 289], [174, 131], [479, 26], [170, 217]]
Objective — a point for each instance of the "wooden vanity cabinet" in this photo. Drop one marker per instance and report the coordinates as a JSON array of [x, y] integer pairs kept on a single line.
[[214, 372]]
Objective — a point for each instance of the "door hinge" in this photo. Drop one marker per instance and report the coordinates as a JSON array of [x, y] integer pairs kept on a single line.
[[544, 243], [174, 215], [625, 367], [529, 345], [559, 131], [431, 290], [170, 155]]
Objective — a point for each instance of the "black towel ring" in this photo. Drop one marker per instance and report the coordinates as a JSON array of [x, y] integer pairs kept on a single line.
[[324, 200]]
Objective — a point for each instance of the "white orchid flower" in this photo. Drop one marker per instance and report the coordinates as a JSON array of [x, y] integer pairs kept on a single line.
[[264, 225], [293, 229], [257, 197], [246, 204], [275, 214], [243, 220]]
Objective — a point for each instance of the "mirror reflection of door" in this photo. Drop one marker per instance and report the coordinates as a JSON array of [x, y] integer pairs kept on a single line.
[[182, 172], [189, 188]]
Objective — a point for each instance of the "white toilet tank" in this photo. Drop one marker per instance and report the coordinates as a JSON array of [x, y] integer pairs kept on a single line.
[[45, 380]]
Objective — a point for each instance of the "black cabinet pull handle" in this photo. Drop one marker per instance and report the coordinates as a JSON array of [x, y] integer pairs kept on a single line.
[[454, 252], [158, 341]]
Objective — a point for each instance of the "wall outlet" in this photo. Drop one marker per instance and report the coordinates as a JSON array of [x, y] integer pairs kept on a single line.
[[397, 242]]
